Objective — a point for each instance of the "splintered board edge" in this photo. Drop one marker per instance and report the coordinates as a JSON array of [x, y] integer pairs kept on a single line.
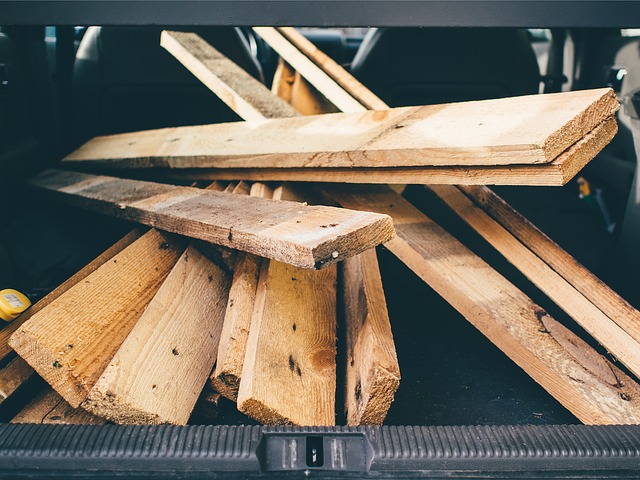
[[295, 233]]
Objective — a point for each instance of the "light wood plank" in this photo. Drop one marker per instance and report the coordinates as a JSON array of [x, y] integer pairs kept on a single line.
[[373, 372], [556, 173], [617, 341], [12, 376], [289, 371], [71, 341], [316, 76], [48, 407], [594, 289], [224, 78], [159, 371], [8, 330], [225, 378], [592, 388], [343, 78], [532, 129]]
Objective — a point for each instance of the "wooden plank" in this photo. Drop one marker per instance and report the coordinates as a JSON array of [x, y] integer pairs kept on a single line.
[[8, 330], [617, 341], [13, 376], [224, 78], [532, 129], [71, 341], [343, 78], [208, 406], [556, 173], [594, 289], [373, 372], [225, 378], [316, 76], [303, 235], [289, 371], [592, 388], [48, 407], [159, 371]]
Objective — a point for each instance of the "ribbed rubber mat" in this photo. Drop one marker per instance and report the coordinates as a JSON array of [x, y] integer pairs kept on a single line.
[[376, 451]]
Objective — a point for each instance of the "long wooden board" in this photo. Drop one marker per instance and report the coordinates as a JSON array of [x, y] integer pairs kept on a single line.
[[592, 388], [302, 235], [289, 371], [159, 371], [225, 378], [526, 130], [48, 407], [13, 376], [601, 295], [72, 340], [348, 82], [556, 173], [8, 330], [617, 341], [224, 77]]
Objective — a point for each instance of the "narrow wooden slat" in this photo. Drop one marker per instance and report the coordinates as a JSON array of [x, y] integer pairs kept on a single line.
[[13, 376], [556, 173], [225, 378], [48, 407], [289, 371], [602, 296], [323, 82], [8, 330], [224, 77], [617, 341], [303, 235], [373, 373], [526, 130], [593, 389], [347, 81], [159, 371], [72, 340]]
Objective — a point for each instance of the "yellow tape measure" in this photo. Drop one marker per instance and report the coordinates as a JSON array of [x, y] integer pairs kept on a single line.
[[12, 304]]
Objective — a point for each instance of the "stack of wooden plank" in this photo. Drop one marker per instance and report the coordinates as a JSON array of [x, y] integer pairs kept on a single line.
[[136, 335]]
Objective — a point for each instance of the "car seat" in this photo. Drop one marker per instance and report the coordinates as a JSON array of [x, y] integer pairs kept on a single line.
[[420, 66], [123, 81]]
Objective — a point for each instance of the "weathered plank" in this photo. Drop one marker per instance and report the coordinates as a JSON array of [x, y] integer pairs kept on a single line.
[[72, 340], [224, 78], [48, 407], [8, 330], [617, 341], [159, 371], [526, 130], [225, 378], [303, 235], [556, 173], [13, 376], [372, 370], [321, 80], [589, 386], [289, 371], [600, 294], [348, 82]]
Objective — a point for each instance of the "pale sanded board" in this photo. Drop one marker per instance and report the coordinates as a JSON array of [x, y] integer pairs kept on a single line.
[[616, 340], [531, 129], [244, 94], [556, 173], [302, 235], [72, 340], [159, 371], [589, 386]]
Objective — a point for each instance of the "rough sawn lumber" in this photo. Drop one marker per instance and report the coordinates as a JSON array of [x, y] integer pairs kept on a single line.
[[589, 386], [291, 232], [525, 130]]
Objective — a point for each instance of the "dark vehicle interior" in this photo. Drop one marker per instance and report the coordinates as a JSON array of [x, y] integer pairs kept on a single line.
[[62, 83]]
